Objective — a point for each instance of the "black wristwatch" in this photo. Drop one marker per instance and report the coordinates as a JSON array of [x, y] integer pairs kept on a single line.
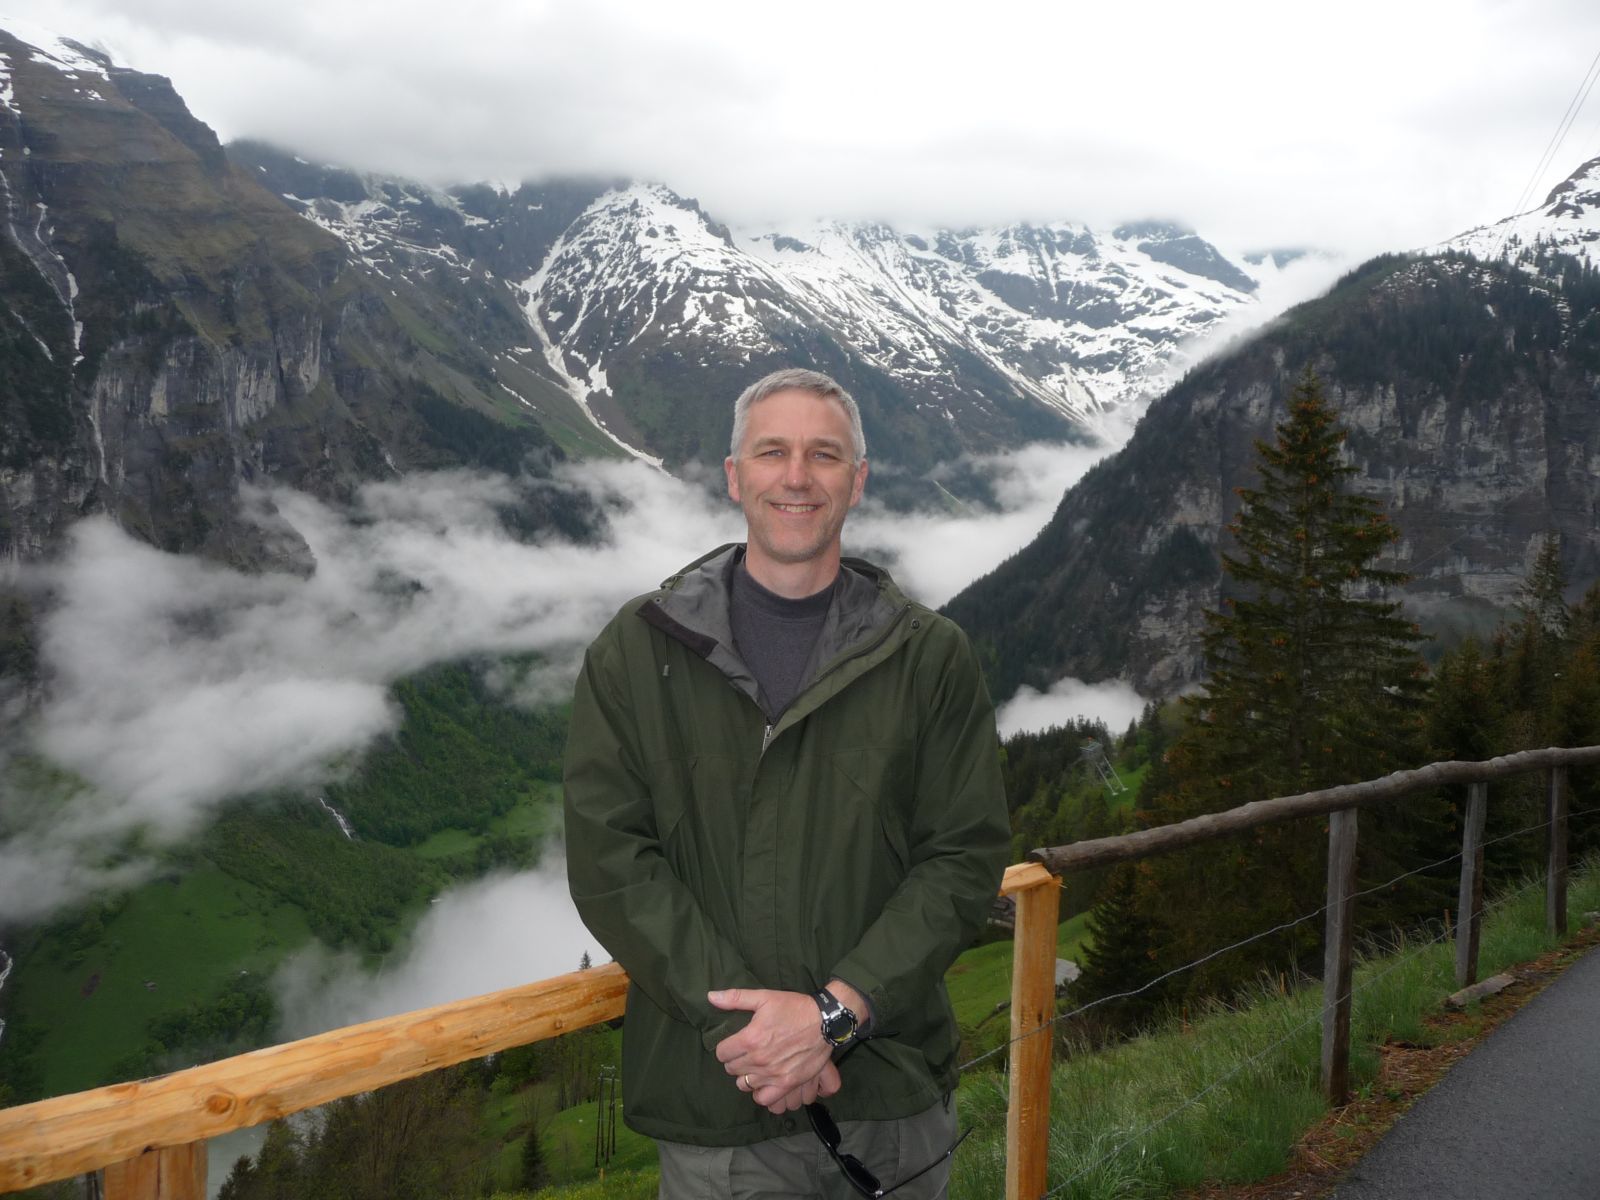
[[838, 1022]]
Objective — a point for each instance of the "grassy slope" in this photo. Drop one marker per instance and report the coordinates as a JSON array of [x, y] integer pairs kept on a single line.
[[533, 817], [1127, 1122], [981, 977], [187, 936], [270, 875]]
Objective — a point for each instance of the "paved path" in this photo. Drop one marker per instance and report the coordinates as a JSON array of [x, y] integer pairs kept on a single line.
[[1518, 1117]]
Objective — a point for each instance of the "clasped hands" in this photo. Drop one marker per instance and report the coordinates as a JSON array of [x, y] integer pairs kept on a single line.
[[781, 1057]]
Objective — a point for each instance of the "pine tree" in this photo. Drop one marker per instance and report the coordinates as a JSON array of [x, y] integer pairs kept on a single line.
[[237, 1186], [1542, 601], [1120, 956], [1315, 681], [534, 1172], [1312, 667]]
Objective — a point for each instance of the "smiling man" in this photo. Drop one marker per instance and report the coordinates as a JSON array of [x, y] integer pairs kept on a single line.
[[785, 819]]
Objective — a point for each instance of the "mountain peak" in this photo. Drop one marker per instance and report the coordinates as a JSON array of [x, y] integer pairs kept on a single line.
[[1568, 222], [1576, 195]]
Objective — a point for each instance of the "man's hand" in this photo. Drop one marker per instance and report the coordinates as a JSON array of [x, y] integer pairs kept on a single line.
[[781, 1057], [780, 1051], [820, 1088]]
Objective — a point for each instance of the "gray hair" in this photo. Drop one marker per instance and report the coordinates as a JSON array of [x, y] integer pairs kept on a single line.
[[797, 379]]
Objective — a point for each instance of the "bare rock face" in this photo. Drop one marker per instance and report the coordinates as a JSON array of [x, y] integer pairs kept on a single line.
[[170, 330], [1471, 393]]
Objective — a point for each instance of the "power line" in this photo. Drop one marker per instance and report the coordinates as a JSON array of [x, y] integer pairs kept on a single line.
[[1563, 127]]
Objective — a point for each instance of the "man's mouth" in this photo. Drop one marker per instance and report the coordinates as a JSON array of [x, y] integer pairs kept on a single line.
[[795, 508]]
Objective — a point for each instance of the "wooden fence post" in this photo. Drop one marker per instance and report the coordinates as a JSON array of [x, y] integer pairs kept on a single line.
[[1469, 903], [169, 1173], [1033, 1003], [1555, 897], [1336, 955]]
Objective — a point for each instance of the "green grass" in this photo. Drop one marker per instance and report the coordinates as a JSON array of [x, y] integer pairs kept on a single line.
[[187, 937], [617, 1185], [188, 932], [981, 977], [532, 815], [1132, 780], [569, 1146], [1226, 1099]]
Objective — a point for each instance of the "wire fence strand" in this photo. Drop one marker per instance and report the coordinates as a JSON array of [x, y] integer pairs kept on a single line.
[[1255, 937], [1294, 1032]]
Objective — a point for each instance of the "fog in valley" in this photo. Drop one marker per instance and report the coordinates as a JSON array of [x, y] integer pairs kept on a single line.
[[173, 684]]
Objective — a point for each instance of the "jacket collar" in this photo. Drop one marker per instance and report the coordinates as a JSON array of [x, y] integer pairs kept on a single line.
[[693, 607]]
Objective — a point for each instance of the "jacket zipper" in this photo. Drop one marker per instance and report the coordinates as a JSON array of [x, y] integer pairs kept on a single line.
[[868, 648]]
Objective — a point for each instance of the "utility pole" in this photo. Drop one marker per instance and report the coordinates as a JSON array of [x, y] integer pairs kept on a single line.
[[1093, 755]]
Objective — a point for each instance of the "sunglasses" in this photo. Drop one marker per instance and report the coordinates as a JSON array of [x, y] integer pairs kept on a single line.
[[855, 1171]]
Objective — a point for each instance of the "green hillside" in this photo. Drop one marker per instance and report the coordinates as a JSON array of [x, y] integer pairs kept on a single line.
[[172, 972]]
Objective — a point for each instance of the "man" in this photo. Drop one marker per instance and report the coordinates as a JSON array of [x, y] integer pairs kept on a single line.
[[785, 819]]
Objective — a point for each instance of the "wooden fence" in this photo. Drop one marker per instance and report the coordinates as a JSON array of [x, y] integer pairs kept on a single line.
[[149, 1136]]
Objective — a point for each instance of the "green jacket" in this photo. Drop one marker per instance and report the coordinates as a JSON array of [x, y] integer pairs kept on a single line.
[[863, 836]]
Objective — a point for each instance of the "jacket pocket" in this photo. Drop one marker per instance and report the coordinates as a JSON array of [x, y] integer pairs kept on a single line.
[[880, 776], [671, 786]]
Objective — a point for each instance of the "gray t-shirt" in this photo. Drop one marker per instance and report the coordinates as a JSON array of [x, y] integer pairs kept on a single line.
[[775, 636]]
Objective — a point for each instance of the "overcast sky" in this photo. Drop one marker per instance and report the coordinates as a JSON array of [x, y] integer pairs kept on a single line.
[[1354, 127]]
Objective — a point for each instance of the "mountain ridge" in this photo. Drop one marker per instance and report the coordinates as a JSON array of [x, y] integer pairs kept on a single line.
[[977, 328], [1469, 391]]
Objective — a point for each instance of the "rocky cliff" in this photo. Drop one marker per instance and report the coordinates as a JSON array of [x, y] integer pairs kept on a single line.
[[1472, 395], [170, 330]]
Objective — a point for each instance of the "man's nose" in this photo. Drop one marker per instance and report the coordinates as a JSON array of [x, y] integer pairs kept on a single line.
[[798, 473]]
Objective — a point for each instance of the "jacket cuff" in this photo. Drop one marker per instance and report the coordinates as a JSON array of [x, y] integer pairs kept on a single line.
[[870, 986]]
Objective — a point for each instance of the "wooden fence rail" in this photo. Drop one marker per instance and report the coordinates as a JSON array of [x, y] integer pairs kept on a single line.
[[149, 1136]]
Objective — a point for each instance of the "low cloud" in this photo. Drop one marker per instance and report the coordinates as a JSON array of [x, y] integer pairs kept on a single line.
[[1281, 288], [494, 933], [934, 555], [1114, 702], [174, 684]]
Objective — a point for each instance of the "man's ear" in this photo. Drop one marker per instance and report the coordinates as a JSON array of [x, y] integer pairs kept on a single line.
[[732, 473], [860, 484]]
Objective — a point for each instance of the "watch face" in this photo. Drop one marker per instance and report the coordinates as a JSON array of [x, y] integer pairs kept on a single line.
[[838, 1022], [839, 1025]]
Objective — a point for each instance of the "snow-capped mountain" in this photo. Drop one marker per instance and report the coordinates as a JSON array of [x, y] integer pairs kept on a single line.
[[1568, 222], [962, 340], [170, 332]]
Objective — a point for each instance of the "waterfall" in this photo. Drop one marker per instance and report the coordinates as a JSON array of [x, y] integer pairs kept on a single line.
[[5, 973], [344, 826]]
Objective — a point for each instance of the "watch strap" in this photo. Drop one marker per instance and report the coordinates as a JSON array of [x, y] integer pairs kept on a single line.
[[839, 1023]]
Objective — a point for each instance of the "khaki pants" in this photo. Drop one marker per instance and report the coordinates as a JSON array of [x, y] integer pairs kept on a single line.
[[798, 1167]]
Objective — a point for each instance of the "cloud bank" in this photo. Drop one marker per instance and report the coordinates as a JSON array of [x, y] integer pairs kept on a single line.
[[174, 684], [493, 933], [1114, 702], [1370, 126]]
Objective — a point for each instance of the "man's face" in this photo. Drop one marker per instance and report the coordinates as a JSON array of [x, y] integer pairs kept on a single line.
[[794, 477]]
